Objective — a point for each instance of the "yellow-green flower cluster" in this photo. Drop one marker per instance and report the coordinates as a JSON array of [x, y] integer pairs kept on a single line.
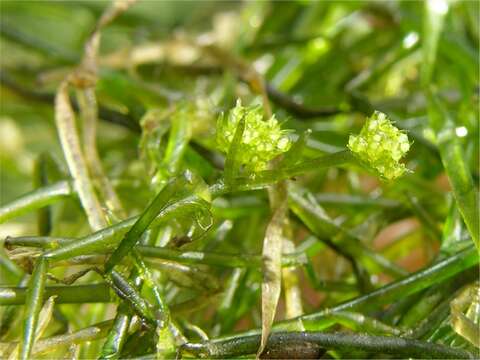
[[261, 141], [381, 145]]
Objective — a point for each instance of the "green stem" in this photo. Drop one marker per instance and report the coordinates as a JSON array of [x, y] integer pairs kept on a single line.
[[33, 303], [36, 199], [158, 204], [456, 167], [285, 344], [183, 257], [117, 334], [75, 294], [267, 177], [40, 179], [128, 292], [209, 258]]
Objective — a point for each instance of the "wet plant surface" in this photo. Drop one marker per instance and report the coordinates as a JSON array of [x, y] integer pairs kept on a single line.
[[239, 179]]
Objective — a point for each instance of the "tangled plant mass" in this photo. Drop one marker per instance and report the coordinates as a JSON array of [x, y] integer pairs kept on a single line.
[[137, 223]]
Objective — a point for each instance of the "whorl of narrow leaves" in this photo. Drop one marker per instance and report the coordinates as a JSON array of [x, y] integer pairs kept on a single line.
[[261, 140], [381, 145]]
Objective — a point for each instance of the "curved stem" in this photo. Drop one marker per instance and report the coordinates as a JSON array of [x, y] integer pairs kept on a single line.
[[88, 110], [36, 199], [65, 121]]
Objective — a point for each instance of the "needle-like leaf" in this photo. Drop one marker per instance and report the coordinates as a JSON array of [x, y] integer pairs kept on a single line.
[[134, 234], [33, 305], [453, 159]]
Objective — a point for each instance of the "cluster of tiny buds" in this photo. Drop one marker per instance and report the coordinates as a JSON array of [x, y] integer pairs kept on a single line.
[[262, 140], [381, 145]]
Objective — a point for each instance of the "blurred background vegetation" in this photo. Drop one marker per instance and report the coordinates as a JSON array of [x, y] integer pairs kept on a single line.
[[326, 65]]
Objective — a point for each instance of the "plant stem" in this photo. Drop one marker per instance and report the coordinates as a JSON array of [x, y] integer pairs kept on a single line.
[[183, 257], [267, 177], [36, 199], [33, 302], [75, 294], [158, 204], [286, 342]]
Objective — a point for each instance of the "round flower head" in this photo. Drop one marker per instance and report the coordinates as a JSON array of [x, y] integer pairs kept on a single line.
[[381, 145], [261, 140]]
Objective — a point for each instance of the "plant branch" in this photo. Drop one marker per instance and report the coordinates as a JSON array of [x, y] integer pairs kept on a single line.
[[74, 294], [285, 344]]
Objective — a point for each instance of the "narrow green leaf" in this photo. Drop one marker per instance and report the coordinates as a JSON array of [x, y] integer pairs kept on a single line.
[[180, 134], [433, 20], [285, 345], [458, 172], [266, 177], [163, 253], [74, 294], [145, 219], [33, 305], [35, 200], [150, 284], [294, 154], [45, 316], [40, 179], [359, 322], [453, 229], [232, 164], [117, 335], [127, 291]]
